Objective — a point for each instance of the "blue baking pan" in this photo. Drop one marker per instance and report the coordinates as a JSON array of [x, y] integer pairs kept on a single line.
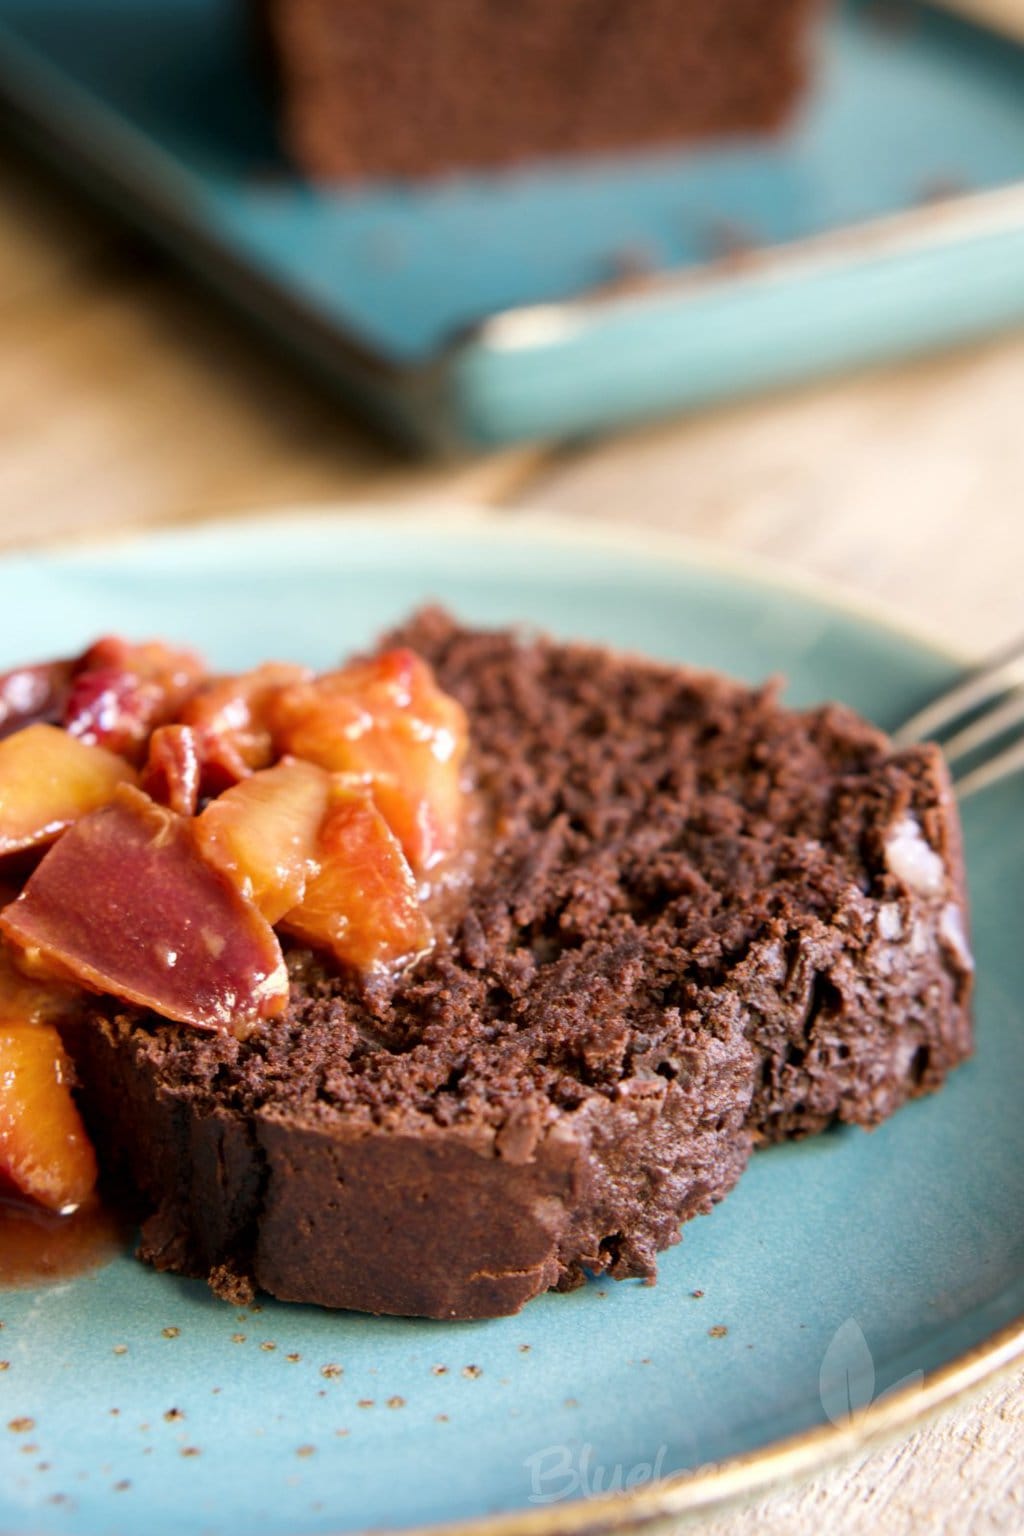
[[556, 300]]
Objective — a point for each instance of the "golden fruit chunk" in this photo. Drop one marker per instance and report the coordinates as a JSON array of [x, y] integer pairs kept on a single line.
[[45, 1153], [34, 999], [48, 780], [388, 724], [126, 904], [264, 834], [363, 905]]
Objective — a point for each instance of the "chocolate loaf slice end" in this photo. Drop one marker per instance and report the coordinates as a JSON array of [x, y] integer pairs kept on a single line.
[[703, 921]]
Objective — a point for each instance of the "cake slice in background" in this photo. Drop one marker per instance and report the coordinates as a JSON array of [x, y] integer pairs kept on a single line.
[[384, 88]]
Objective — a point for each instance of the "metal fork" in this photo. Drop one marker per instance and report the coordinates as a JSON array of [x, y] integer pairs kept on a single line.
[[982, 714]]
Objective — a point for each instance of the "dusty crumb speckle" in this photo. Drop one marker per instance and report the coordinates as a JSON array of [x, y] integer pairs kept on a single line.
[[471, 1372], [306, 1450], [268, 1345], [440, 1418], [524, 1349], [238, 1338], [332, 1372], [366, 1402], [396, 1402], [341, 1433], [123, 1485], [439, 1370], [170, 1333], [5, 1365], [114, 1412], [173, 1415], [696, 1295], [294, 1358], [43, 1466], [940, 189], [719, 1331], [190, 1450], [57, 1498], [30, 1450], [215, 1391], [728, 241], [20, 1426], [255, 1309], [120, 1349]]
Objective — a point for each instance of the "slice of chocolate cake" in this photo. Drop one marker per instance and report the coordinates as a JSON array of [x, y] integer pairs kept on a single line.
[[414, 87], [698, 921]]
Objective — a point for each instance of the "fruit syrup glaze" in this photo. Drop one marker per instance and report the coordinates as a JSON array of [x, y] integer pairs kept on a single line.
[[148, 809]]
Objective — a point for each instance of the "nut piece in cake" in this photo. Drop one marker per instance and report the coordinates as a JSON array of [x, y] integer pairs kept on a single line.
[[173, 772]]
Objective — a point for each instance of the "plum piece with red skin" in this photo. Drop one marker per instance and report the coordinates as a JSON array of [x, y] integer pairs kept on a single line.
[[121, 692], [126, 905]]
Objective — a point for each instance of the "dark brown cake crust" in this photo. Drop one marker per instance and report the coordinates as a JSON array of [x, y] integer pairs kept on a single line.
[[704, 921], [414, 87]]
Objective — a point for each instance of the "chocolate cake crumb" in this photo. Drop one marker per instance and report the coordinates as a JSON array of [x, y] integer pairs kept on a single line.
[[703, 922], [231, 1286]]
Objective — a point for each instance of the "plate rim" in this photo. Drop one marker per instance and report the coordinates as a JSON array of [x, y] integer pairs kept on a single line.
[[713, 1486], [449, 514]]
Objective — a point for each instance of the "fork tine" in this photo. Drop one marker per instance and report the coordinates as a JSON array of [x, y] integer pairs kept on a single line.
[[999, 767], [993, 678], [991, 725]]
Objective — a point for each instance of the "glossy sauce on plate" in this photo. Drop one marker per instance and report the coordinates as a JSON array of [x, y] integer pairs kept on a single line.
[[39, 1248]]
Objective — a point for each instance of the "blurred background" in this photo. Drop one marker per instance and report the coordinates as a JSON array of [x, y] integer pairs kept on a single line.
[[757, 279]]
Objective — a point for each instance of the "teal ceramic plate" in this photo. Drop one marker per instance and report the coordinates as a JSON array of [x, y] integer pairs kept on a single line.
[[846, 1285]]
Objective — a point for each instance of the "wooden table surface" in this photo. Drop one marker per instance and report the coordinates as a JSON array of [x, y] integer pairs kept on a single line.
[[128, 399]]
